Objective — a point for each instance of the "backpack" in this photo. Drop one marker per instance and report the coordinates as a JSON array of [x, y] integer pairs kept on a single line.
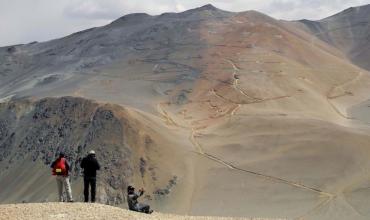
[[60, 168]]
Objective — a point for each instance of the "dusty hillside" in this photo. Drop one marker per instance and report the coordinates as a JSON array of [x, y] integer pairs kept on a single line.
[[215, 113]]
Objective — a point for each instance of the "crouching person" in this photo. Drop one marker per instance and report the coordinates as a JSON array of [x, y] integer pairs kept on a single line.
[[133, 204]]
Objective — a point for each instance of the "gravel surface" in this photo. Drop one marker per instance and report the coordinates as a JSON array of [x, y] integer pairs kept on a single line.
[[79, 211]]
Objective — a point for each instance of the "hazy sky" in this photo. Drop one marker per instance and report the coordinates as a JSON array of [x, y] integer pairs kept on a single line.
[[23, 21]]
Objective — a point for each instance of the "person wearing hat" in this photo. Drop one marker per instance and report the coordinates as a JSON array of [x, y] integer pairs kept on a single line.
[[132, 202], [60, 169], [90, 165]]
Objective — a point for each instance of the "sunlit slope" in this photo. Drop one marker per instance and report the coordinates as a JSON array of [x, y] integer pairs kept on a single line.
[[255, 63]]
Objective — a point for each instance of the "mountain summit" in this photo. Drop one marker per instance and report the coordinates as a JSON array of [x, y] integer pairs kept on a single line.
[[208, 7]]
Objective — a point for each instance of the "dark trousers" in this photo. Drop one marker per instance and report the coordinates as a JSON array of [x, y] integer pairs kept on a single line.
[[89, 181], [143, 208]]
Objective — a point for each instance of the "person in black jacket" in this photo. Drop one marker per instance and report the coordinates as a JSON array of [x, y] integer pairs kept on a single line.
[[90, 165]]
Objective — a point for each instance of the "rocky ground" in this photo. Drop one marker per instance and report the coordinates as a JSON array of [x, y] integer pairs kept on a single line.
[[81, 211]]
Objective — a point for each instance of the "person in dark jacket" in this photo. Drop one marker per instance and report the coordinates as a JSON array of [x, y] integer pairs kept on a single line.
[[133, 204], [90, 165], [60, 168]]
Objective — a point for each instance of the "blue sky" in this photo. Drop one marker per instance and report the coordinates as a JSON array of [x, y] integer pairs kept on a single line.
[[23, 21]]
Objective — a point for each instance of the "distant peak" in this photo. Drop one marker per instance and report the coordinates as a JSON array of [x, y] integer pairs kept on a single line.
[[362, 10], [208, 7], [205, 8], [134, 17]]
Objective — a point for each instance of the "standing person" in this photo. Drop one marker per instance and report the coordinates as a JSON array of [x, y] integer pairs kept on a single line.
[[133, 204], [60, 169], [90, 165]]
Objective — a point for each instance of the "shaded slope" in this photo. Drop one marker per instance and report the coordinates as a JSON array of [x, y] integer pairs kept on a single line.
[[348, 30], [145, 49], [127, 144]]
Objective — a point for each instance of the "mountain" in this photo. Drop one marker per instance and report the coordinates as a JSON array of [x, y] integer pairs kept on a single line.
[[213, 112], [348, 31]]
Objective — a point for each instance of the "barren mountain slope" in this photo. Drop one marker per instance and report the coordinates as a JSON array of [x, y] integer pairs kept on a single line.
[[132, 148], [244, 115], [348, 30]]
